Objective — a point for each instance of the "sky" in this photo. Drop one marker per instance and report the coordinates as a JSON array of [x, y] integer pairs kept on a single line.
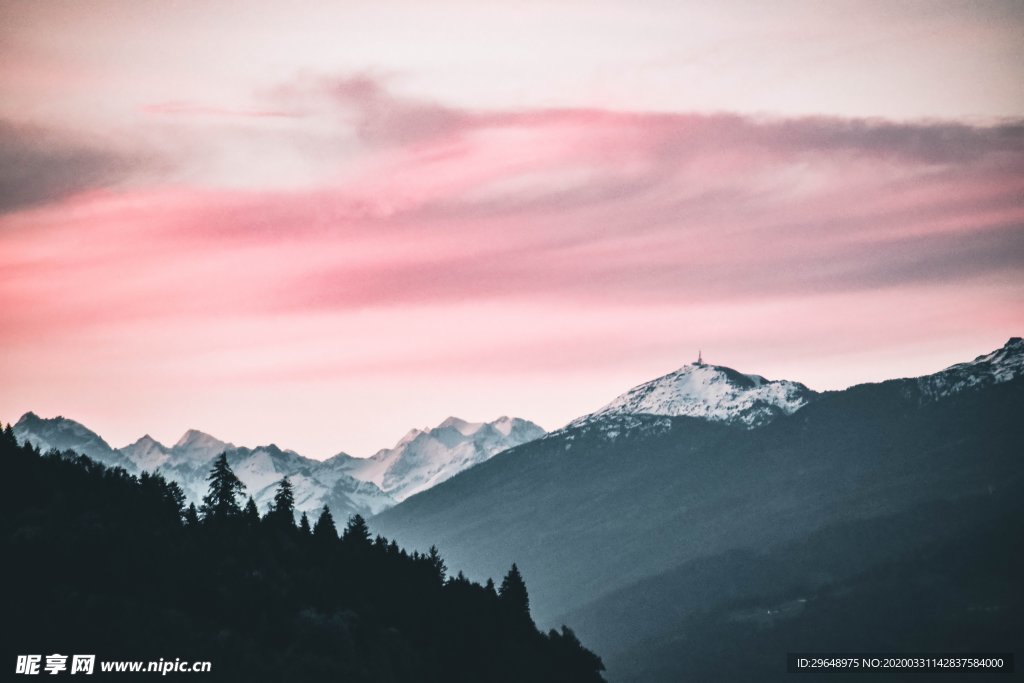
[[321, 224]]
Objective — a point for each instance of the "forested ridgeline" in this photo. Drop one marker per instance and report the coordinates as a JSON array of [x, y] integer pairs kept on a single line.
[[102, 562]]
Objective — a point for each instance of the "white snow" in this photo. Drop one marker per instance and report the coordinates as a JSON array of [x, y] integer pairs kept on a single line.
[[201, 446], [463, 427], [711, 392], [1002, 365], [425, 458], [147, 453]]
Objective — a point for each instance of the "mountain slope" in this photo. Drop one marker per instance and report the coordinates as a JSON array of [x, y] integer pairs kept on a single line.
[[638, 628], [895, 583], [584, 514], [711, 392]]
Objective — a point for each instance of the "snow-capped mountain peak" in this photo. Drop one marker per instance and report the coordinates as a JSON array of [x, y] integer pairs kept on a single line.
[[147, 453], [62, 434], [711, 392], [201, 445], [460, 425]]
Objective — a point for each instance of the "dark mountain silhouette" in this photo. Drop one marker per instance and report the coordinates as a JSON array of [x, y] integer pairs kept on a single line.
[[650, 531]]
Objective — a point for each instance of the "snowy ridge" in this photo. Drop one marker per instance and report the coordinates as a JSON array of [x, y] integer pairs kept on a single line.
[[711, 392], [260, 469], [348, 485], [1002, 365], [61, 434], [426, 457], [147, 453]]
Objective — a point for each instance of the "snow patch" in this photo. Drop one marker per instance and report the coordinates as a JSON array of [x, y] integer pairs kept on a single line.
[[711, 392]]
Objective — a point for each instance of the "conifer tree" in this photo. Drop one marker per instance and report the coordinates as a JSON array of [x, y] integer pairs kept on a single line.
[[304, 525], [357, 533], [282, 510], [191, 516], [437, 562], [513, 593], [251, 513], [324, 528], [9, 438], [221, 500]]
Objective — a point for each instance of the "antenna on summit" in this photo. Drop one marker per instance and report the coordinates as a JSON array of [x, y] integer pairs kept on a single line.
[[700, 358]]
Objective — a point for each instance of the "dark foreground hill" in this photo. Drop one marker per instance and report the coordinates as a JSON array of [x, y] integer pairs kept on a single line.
[[97, 561], [672, 542]]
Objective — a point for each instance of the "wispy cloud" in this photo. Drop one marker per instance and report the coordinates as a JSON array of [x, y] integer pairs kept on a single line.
[[431, 240], [581, 205]]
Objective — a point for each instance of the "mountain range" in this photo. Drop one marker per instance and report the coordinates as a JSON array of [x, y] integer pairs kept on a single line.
[[705, 519], [713, 502], [348, 485]]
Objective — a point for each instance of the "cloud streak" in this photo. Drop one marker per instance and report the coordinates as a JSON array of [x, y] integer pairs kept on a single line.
[[574, 205]]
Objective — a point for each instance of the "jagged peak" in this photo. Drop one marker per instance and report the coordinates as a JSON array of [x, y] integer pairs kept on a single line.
[[32, 417], [462, 426], [195, 438], [146, 441], [409, 436]]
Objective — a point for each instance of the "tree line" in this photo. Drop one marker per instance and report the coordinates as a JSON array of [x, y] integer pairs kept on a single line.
[[104, 562]]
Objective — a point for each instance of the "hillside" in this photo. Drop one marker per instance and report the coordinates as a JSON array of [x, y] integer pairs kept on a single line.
[[100, 561]]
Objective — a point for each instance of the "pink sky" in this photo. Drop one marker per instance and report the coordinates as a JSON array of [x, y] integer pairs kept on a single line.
[[321, 225]]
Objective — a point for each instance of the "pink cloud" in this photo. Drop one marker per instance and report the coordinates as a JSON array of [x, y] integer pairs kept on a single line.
[[459, 244]]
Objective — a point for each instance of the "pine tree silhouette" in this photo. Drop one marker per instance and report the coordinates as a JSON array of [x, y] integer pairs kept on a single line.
[[9, 439], [221, 500], [357, 533], [304, 525], [282, 511], [437, 562], [191, 516], [324, 528], [251, 513], [513, 594]]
